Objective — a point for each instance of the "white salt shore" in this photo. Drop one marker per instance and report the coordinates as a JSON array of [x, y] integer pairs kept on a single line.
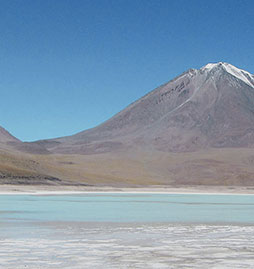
[[62, 190], [131, 246]]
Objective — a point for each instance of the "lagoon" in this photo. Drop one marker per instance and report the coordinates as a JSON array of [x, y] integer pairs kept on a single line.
[[126, 230], [152, 208]]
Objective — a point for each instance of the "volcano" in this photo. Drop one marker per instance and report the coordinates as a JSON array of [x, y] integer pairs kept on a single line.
[[212, 107], [197, 129]]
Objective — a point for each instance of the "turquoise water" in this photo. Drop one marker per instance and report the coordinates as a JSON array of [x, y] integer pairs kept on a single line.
[[171, 208]]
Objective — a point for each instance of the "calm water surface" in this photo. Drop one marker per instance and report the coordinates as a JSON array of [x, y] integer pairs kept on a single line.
[[186, 208]]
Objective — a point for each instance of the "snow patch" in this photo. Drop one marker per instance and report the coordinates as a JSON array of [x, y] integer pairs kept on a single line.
[[243, 75], [210, 66]]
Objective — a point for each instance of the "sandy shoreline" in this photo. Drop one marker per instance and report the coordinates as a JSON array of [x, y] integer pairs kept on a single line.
[[47, 190]]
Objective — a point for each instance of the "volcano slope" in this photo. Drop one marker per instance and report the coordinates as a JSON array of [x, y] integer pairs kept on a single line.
[[197, 129]]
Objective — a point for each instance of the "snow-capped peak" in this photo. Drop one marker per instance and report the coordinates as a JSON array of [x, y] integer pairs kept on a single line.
[[243, 75], [210, 66]]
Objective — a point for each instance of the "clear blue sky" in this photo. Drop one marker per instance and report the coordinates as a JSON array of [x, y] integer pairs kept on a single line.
[[68, 65]]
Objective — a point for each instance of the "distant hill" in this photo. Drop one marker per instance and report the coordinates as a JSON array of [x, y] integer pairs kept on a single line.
[[6, 137]]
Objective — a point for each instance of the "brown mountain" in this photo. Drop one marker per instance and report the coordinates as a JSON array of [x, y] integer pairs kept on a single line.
[[6, 137], [197, 129], [208, 108]]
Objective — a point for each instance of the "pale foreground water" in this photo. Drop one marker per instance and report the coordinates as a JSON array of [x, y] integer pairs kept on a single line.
[[127, 231]]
